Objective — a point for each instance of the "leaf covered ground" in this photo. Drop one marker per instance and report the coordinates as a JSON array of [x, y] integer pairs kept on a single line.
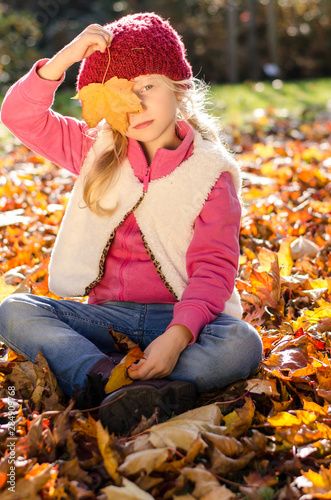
[[263, 439]]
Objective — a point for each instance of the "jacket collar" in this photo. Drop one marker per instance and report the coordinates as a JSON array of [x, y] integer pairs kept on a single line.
[[165, 160]]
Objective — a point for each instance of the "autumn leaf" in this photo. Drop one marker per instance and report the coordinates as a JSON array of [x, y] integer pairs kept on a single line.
[[112, 101], [129, 491], [238, 421], [320, 483], [5, 289], [108, 452], [119, 376]]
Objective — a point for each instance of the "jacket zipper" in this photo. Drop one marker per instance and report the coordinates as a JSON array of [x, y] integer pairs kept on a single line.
[[147, 177]]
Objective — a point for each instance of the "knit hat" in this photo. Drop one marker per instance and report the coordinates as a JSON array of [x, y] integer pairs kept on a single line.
[[143, 44]]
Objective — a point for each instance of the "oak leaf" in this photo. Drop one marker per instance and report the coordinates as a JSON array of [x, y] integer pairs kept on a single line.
[[112, 101]]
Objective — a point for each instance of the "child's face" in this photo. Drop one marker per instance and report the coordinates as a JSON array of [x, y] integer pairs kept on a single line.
[[155, 127]]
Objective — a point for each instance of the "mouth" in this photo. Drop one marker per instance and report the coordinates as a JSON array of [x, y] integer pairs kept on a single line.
[[143, 124]]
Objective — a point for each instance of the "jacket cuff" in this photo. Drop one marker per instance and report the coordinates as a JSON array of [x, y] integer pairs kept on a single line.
[[192, 317], [39, 89]]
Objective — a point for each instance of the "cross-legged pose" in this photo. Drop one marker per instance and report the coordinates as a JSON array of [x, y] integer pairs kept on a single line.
[[150, 234]]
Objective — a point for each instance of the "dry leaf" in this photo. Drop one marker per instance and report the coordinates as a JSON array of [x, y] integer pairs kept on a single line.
[[129, 491], [119, 376], [238, 422], [144, 462], [112, 101], [108, 452]]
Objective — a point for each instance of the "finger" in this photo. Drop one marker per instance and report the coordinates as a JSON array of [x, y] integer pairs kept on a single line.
[[143, 372], [96, 29]]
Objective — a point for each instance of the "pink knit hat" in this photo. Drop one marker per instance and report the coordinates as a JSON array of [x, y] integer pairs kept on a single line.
[[143, 44]]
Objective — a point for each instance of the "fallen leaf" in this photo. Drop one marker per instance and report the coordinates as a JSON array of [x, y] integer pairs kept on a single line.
[[238, 422], [144, 462], [320, 483], [109, 454], [129, 491], [119, 376]]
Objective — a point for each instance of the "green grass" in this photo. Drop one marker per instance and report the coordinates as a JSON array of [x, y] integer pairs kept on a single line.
[[236, 103]]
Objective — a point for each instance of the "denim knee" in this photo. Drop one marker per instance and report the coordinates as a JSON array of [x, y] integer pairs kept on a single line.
[[8, 311], [227, 350]]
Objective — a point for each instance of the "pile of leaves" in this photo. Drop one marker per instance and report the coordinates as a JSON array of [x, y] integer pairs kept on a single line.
[[264, 438]]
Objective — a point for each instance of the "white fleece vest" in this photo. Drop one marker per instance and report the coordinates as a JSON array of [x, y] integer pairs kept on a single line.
[[165, 215]]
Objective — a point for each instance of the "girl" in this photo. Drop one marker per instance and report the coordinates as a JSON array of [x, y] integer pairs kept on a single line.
[[150, 233]]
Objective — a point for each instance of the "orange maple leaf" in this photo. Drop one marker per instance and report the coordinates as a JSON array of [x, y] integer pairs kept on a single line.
[[112, 101]]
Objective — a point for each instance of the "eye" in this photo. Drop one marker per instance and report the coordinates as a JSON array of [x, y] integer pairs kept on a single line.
[[147, 87]]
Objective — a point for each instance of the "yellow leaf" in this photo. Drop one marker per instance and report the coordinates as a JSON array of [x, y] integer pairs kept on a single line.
[[239, 421], [321, 483], [5, 289], [311, 406], [108, 452], [284, 256], [266, 258], [284, 419], [119, 376], [111, 101]]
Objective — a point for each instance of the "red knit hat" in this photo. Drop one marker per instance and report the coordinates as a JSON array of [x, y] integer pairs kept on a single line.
[[143, 44]]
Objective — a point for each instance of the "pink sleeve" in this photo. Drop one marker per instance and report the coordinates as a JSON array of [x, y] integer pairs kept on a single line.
[[212, 259], [26, 112]]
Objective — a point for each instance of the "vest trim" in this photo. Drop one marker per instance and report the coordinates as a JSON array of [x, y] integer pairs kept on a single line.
[[106, 249], [157, 266]]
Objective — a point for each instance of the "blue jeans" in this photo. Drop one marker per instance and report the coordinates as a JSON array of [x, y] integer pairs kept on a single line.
[[73, 336]]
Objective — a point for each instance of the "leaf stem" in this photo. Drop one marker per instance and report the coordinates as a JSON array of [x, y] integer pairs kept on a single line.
[[104, 76]]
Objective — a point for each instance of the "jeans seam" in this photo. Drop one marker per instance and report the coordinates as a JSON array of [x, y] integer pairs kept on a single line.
[[103, 324]]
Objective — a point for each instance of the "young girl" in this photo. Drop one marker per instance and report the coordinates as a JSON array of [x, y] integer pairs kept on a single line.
[[150, 233]]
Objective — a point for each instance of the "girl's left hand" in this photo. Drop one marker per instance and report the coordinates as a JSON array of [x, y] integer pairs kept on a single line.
[[162, 354]]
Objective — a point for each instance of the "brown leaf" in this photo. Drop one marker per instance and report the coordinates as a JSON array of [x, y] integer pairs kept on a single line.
[[227, 445], [206, 483], [223, 465], [239, 421], [109, 453], [129, 491], [62, 428], [121, 341], [144, 462]]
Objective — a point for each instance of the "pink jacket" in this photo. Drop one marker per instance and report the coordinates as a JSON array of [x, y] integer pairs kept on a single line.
[[212, 257]]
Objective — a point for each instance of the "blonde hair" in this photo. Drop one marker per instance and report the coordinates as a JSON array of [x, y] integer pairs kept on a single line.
[[192, 97]]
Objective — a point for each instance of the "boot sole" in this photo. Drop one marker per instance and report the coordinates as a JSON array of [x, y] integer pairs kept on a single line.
[[120, 416]]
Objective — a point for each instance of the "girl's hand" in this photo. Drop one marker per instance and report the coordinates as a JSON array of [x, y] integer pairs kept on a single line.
[[162, 354], [93, 38]]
